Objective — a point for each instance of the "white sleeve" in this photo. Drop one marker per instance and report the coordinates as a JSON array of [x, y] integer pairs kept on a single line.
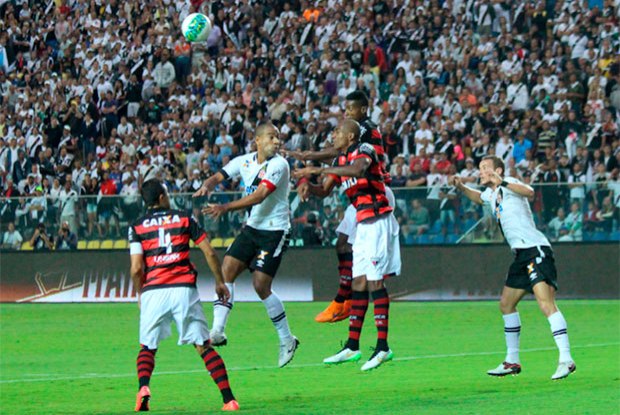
[[277, 173], [233, 168]]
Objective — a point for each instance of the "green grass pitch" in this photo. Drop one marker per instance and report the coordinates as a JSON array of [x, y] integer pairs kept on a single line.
[[80, 359]]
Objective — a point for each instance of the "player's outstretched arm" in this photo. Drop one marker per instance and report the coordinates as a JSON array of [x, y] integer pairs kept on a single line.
[[323, 190], [209, 184], [471, 194], [216, 268], [357, 169], [324, 155], [261, 193]]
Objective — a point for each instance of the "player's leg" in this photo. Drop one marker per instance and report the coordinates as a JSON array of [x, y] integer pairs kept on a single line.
[[217, 369], [272, 246], [145, 364], [359, 305], [231, 269], [542, 275], [381, 302], [155, 319], [340, 307], [512, 331], [545, 296], [236, 260]]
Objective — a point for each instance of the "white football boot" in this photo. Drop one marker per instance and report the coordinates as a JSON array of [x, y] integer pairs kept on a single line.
[[564, 369]]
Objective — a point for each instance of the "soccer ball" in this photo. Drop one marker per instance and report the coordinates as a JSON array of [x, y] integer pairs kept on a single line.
[[196, 27]]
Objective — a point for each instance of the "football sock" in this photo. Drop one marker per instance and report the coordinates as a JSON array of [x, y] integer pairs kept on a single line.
[[345, 262], [381, 302], [275, 310], [217, 370], [145, 363], [512, 331], [221, 309], [560, 335], [359, 305]]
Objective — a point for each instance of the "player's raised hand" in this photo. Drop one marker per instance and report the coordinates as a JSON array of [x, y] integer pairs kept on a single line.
[[496, 179], [455, 181], [303, 190], [203, 191], [298, 155], [222, 292], [215, 211], [306, 172]]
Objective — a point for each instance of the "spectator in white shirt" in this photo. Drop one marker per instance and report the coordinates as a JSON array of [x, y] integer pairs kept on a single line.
[[12, 239]]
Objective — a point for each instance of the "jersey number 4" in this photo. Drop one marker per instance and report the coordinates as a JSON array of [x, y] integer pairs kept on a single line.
[[165, 241]]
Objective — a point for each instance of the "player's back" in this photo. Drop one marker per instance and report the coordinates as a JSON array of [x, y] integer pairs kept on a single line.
[[370, 134], [163, 236], [367, 193]]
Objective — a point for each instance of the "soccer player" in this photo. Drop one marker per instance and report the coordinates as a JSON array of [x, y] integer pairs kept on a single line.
[[356, 108], [265, 236], [376, 250], [165, 280], [533, 269]]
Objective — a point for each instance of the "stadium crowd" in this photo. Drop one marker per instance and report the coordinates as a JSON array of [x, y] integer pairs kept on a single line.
[[93, 94]]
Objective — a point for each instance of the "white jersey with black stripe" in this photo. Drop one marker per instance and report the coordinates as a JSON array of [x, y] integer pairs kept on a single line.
[[514, 216], [273, 214]]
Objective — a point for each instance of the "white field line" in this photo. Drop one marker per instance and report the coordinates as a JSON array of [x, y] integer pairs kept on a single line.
[[49, 378]]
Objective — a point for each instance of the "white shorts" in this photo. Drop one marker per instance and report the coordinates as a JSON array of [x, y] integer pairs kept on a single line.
[[376, 250], [349, 223], [160, 306]]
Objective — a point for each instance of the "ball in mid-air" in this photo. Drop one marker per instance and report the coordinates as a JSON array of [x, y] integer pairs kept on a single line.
[[196, 27]]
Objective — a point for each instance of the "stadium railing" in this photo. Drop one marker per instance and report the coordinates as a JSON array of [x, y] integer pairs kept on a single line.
[[443, 217]]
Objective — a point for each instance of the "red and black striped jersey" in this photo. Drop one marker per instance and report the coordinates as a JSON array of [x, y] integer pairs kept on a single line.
[[367, 194], [162, 236], [369, 133]]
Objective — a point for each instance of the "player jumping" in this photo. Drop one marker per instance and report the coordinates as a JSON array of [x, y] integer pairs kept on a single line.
[[265, 236], [533, 269], [376, 250]]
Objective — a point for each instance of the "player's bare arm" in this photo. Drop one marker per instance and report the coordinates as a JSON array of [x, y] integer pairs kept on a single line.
[[137, 273], [357, 169], [215, 211], [519, 188], [471, 194], [326, 154], [216, 268], [209, 185], [323, 190]]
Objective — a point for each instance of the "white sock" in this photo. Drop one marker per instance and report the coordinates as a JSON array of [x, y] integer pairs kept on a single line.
[[560, 335], [275, 310], [222, 309], [512, 330]]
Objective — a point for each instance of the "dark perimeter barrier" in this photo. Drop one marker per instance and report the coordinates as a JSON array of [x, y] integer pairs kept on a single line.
[[461, 272]]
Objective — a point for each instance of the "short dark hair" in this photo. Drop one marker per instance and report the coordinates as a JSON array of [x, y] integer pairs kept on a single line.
[[497, 162], [358, 97], [151, 191]]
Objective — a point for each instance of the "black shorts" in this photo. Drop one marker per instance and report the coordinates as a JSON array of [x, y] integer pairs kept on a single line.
[[531, 266], [260, 250]]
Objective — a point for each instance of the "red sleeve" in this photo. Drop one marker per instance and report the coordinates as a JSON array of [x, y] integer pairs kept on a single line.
[[268, 184], [337, 179]]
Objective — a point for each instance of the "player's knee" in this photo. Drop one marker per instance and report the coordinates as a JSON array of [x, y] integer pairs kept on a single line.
[[342, 244], [375, 285], [359, 284], [506, 306], [262, 289], [547, 307]]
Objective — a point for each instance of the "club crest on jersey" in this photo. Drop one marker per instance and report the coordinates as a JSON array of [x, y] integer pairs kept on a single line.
[[161, 220]]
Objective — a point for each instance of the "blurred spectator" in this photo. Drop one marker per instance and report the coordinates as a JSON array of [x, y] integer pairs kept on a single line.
[[40, 240], [419, 218], [12, 239], [312, 232], [66, 239]]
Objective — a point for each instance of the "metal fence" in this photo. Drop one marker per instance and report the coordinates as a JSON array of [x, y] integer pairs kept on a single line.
[[433, 215]]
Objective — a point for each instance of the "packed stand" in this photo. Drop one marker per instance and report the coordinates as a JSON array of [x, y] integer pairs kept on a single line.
[[96, 95]]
